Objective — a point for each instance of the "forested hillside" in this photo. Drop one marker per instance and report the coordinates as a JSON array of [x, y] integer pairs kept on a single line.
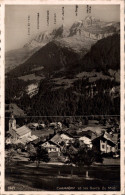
[[105, 54], [74, 99]]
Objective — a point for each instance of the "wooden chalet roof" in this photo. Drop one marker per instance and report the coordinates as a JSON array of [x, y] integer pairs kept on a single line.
[[57, 138], [50, 144], [102, 137]]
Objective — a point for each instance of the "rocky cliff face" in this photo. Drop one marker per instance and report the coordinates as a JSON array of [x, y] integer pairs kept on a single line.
[[88, 28]]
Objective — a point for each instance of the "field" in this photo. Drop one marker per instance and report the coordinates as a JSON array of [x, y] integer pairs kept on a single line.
[[24, 176], [15, 109]]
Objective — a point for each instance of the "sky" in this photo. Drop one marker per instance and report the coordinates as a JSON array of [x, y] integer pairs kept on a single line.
[[18, 17]]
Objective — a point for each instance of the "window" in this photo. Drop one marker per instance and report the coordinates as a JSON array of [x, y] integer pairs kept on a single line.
[[103, 146]]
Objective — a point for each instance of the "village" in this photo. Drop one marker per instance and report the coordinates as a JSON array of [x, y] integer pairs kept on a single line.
[[103, 135]]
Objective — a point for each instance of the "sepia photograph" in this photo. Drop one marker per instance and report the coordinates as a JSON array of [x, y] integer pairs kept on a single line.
[[62, 129]]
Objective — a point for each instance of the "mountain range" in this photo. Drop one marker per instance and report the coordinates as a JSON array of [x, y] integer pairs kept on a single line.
[[79, 37], [57, 69]]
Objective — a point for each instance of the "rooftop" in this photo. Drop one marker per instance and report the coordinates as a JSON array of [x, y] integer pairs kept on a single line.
[[59, 137], [22, 130]]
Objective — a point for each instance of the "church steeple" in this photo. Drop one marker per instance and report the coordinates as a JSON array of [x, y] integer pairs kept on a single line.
[[12, 123]]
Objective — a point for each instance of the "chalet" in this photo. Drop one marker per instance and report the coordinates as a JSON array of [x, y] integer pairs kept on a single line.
[[85, 140], [59, 124], [86, 137], [66, 137], [104, 144], [34, 126], [56, 125], [42, 125], [115, 137], [8, 139], [51, 147]]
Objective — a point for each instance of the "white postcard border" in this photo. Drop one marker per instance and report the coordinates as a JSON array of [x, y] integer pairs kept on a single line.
[[2, 91]]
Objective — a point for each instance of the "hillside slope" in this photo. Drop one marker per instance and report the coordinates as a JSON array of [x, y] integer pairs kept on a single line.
[[52, 57]]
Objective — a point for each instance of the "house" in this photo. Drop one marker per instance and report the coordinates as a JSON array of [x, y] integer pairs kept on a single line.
[[85, 140], [34, 126], [56, 138], [51, 147], [56, 125], [8, 139], [62, 137], [86, 137], [42, 125], [59, 124], [53, 124], [115, 137], [104, 144], [66, 137]]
